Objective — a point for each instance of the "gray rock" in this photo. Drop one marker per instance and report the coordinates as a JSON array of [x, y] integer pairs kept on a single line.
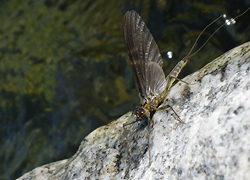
[[213, 144]]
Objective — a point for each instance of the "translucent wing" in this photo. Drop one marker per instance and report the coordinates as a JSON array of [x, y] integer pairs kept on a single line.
[[142, 50], [156, 80]]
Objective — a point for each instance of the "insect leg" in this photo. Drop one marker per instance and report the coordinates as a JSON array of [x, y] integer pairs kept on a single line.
[[126, 124], [176, 78], [168, 106], [148, 130]]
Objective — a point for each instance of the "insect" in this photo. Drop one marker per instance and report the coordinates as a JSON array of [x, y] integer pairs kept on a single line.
[[146, 62]]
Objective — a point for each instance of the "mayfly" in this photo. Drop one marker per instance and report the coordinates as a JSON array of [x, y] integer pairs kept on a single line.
[[151, 84], [146, 62]]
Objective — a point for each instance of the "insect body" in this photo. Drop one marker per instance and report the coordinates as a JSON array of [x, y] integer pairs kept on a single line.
[[151, 84]]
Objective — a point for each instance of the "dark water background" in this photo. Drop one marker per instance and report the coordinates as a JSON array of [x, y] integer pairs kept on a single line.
[[64, 68]]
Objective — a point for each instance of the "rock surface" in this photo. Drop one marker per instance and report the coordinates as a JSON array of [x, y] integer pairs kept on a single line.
[[213, 144]]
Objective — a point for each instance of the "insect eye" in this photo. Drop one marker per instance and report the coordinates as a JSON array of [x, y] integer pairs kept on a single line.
[[138, 112], [141, 112]]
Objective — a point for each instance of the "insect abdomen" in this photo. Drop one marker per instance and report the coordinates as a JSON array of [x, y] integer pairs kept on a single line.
[[175, 72]]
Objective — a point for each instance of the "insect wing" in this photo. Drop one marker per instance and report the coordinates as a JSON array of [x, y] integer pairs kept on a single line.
[[156, 80], [142, 50]]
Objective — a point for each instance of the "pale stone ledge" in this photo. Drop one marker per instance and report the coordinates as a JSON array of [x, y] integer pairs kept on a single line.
[[213, 144]]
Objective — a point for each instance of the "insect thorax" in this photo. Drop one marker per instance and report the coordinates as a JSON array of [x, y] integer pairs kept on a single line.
[[149, 105], [152, 103]]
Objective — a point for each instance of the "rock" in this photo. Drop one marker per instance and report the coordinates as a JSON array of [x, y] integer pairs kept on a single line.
[[213, 144]]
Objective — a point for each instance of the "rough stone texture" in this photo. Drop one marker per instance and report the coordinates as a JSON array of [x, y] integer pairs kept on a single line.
[[213, 144]]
